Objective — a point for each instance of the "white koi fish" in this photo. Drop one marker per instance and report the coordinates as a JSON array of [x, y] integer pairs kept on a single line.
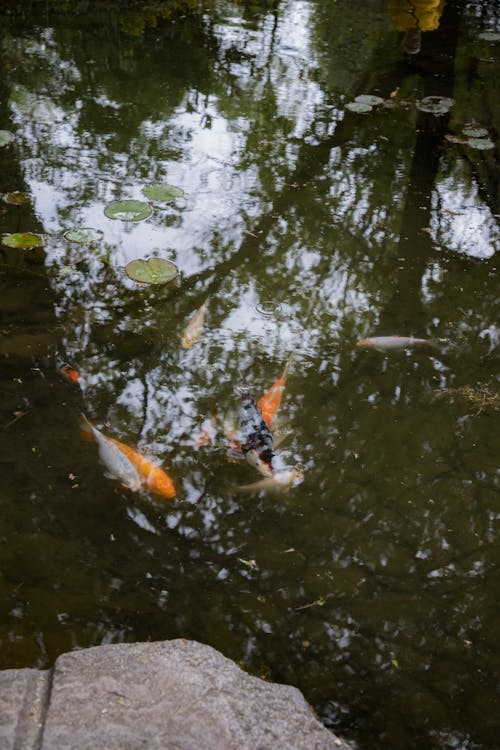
[[389, 343], [281, 481]]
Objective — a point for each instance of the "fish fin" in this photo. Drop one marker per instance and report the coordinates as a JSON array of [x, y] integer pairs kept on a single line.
[[279, 436], [262, 484], [86, 429], [235, 454]]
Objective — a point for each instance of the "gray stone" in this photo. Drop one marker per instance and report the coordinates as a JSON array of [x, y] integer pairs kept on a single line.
[[23, 702], [173, 695]]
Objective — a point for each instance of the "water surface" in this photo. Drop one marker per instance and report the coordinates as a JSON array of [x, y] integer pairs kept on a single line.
[[372, 586]]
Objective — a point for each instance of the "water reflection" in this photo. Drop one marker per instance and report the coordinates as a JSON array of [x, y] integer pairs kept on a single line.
[[309, 227]]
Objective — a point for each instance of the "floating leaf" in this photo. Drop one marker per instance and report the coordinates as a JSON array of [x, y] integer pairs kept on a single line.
[[359, 107], [436, 105], [482, 144], [16, 198], [162, 193], [474, 131], [128, 210], [490, 36], [6, 137], [83, 236], [152, 271], [370, 99], [395, 663], [22, 240]]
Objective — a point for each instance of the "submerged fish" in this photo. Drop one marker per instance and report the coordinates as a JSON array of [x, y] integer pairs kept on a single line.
[[255, 437], [126, 464], [281, 481], [387, 343], [270, 401], [69, 374], [193, 329]]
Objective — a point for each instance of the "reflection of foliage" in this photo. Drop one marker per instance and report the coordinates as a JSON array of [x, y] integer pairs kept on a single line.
[[483, 396], [134, 16]]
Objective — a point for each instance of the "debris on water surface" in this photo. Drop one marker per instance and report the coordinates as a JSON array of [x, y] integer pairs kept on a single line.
[[83, 235], [16, 198], [22, 240], [151, 271], [483, 396], [162, 193], [128, 210], [6, 137], [436, 105], [489, 36]]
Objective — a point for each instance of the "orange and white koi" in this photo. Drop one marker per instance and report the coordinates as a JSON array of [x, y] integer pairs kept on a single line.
[[193, 329], [280, 481], [126, 464]]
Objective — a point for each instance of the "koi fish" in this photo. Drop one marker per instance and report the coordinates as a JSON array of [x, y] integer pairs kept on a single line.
[[256, 439], [281, 481], [388, 343], [193, 329], [69, 374], [126, 464], [270, 401]]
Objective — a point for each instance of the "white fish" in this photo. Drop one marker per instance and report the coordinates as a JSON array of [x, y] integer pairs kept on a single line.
[[281, 481], [116, 462], [388, 343]]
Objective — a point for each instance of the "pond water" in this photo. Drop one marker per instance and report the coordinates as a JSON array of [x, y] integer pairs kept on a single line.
[[373, 584]]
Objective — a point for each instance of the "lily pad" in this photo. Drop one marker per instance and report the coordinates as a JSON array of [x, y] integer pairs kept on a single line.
[[162, 193], [370, 99], [482, 144], [490, 36], [83, 236], [474, 131], [16, 198], [359, 107], [6, 137], [22, 240], [151, 271], [436, 105], [128, 210]]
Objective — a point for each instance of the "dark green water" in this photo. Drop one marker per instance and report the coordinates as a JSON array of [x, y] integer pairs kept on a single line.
[[375, 584]]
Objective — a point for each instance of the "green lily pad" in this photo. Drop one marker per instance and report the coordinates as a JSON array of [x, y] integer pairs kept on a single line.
[[436, 105], [151, 271], [16, 198], [21, 240], [359, 108], [474, 131], [6, 137], [83, 236], [370, 99], [482, 144], [128, 210], [490, 36], [162, 193]]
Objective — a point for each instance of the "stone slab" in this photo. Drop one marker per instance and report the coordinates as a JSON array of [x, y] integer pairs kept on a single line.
[[23, 701], [175, 695]]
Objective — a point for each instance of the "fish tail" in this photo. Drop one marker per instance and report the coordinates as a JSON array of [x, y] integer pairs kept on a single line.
[[86, 429]]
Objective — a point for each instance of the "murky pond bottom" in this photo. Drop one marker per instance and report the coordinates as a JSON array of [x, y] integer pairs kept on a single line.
[[306, 227]]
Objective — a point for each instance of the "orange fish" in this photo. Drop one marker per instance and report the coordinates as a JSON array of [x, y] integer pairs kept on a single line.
[[270, 401], [126, 464], [68, 373], [193, 329]]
